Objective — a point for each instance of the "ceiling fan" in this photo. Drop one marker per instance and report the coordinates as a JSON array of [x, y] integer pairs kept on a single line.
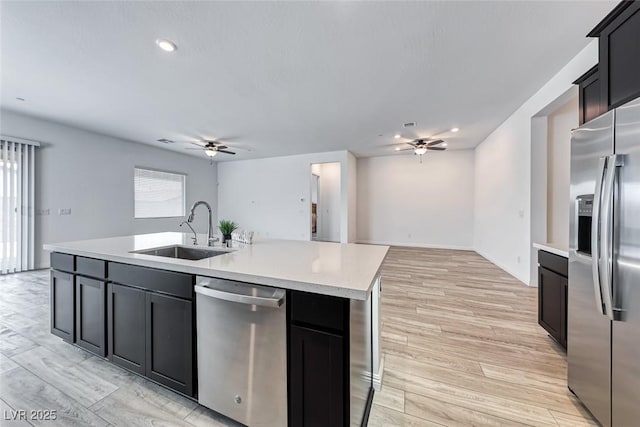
[[211, 148], [420, 146]]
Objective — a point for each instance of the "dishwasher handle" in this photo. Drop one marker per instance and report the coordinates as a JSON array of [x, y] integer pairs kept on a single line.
[[275, 301]]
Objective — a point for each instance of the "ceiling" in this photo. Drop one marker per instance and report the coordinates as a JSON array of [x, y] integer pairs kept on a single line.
[[280, 78]]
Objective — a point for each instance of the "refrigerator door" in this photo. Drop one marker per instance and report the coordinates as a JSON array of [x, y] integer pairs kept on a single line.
[[626, 271], [588, 329]]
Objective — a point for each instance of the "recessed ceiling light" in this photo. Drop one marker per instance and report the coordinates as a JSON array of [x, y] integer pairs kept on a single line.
[[166, 45], [455, 130], [19, 99], [397, 136]]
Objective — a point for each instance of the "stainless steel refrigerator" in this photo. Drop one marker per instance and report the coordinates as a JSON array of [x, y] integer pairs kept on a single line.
[[603, 319]]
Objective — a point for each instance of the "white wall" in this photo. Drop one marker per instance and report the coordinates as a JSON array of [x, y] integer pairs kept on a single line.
[[271, 196], [403, 202], [502, 224], [93, 175], [329, 201], [351, 177], [560, 124]]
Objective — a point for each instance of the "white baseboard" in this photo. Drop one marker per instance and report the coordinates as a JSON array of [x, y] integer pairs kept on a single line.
[[416, 245], [377, 377], [503, 267]]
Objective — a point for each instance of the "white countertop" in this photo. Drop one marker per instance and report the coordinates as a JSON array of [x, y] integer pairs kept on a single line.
[[343, 270], [554, 248]]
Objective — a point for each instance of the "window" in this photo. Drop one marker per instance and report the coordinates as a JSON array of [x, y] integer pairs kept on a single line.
[[158, 194]]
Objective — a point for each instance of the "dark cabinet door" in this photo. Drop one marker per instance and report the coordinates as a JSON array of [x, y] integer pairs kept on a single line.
[[591, 105], [62, 305], [126, 327], [619, 47], [90, 315], [169, 342], [316, 378], [552, 304]]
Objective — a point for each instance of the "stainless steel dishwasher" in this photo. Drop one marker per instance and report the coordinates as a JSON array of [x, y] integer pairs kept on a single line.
[[242, 351]]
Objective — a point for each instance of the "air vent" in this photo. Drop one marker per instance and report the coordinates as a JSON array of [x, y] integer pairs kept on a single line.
[[409, 124], [165, 141]]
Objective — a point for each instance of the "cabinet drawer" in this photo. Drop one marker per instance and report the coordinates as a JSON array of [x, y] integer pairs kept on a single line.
[[91, 267], [319, 310], [554, 262], [168, 282], [62, 262]]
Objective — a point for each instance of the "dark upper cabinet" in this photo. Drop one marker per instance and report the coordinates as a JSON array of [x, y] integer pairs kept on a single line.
[[619, 52], [316, 381], [169, 342], [589, 95], [616, 78], [62, 295], [126, 327], [90, 315], [552, 304]]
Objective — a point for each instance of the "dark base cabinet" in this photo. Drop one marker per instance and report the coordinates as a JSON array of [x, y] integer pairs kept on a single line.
[[90, 315], [127, 327], [552, 295], [169, 336], [62, 305], [151, 325], [141, 319], [317, 378]]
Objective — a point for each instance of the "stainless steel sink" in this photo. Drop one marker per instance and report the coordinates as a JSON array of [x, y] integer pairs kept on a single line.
[[182, 252]]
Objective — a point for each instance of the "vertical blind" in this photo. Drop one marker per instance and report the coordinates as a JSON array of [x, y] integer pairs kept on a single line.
[[17, 159], [158, 194]]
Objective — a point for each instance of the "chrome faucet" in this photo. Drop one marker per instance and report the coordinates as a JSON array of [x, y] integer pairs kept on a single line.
[[210, 238], [195, 236]]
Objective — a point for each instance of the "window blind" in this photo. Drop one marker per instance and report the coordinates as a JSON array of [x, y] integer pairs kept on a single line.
[[17, 161], [158, 194]]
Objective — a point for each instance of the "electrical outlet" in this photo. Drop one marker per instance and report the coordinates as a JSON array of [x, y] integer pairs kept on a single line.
[[64, 211], [42, 212]]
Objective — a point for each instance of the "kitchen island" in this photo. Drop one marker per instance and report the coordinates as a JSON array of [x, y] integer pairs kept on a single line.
[[146, 303]]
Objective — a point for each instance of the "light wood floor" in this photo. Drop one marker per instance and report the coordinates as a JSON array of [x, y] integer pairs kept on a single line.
[[462, 346], [460, 341]]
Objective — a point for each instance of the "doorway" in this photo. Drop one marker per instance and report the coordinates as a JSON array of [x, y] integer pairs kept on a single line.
[[325, 202]]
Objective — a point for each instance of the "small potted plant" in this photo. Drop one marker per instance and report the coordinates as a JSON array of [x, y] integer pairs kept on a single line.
[[226, 228]]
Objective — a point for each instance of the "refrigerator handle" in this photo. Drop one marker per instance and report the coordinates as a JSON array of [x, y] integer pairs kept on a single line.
[[606, 232], [606, 260], [595, 234]]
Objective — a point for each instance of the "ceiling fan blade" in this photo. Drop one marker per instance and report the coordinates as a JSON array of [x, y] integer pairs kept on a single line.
[[196, 144], [226, 152], [436, 148], [432, 143], [221, 147], [201, 148], [407, 149]]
